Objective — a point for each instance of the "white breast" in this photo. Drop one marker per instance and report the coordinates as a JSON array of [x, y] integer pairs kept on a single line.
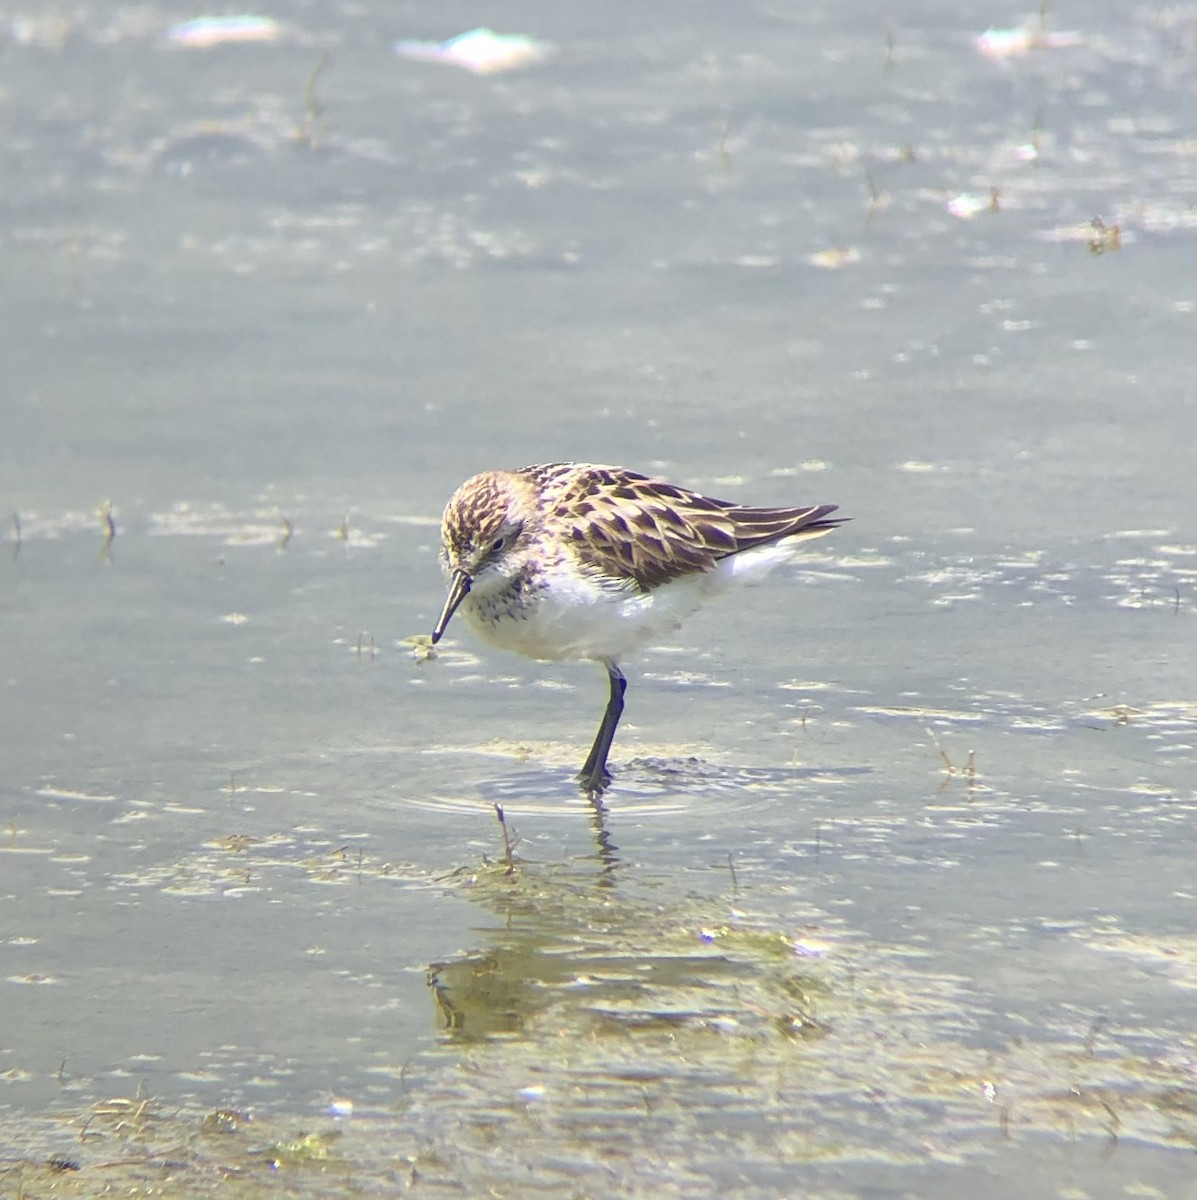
[[576, 616]]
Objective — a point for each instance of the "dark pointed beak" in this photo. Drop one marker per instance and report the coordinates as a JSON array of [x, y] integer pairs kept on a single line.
[[459, 589]]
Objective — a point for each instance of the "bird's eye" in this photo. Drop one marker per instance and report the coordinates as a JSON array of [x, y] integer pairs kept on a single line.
[[504, 540]]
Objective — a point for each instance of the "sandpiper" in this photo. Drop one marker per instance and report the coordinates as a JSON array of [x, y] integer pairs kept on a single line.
[[570, 561]]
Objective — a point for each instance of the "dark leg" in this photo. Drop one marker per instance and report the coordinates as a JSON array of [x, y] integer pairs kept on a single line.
[[594, 775]]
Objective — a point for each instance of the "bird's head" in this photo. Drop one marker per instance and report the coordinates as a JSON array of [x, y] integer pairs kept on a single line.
[[481, 533]]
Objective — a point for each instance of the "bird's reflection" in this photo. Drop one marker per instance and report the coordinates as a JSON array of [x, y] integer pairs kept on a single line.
[[605, 849], [579, 948], [548, 918]]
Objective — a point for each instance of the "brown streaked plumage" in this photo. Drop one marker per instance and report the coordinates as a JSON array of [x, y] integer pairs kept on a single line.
[[579, 561]]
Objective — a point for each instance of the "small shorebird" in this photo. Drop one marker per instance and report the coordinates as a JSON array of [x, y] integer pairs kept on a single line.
[[577, 561]]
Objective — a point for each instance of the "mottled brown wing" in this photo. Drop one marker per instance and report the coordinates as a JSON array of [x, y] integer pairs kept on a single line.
[[648, 532]]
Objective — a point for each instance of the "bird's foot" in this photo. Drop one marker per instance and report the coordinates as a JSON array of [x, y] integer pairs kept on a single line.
[[594, 783]]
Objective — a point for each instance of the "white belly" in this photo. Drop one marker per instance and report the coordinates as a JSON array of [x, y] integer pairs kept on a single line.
[[573, 616]]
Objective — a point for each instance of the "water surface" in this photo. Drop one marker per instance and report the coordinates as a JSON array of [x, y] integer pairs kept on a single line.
[[894, 890]]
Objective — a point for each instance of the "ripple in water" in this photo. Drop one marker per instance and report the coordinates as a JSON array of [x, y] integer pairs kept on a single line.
[[646, 786]]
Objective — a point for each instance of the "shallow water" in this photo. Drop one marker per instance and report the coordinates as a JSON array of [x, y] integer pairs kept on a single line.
[[893, 892]]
